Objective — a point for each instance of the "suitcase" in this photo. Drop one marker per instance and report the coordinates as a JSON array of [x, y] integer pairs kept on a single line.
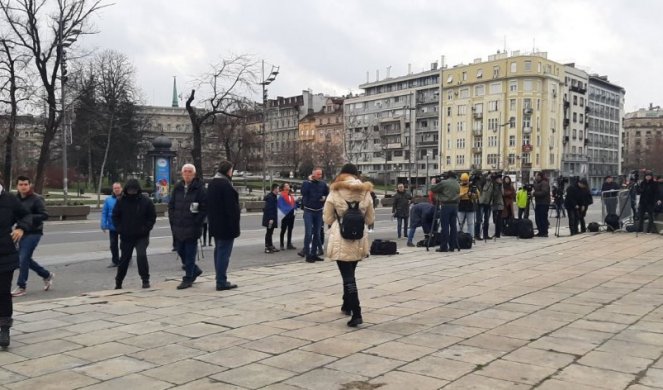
[[383, 247], [525, 229], [464, 240]]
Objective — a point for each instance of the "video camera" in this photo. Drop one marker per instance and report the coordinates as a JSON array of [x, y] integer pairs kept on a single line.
[[634, 176], [562, 181], [495, 175]]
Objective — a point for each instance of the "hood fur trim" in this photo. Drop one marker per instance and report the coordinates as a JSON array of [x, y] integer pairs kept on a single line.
[[346, 181]]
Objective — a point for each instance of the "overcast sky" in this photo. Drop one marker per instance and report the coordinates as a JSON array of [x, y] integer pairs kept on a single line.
[[328, 46]]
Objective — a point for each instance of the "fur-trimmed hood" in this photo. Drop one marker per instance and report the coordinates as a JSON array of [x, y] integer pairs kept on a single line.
[[350, 183]]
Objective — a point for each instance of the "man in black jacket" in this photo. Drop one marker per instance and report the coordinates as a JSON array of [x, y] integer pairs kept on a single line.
[[314, 194], [401, 209], [134, 217], [223, 213], [649, 198], [187, 209], [14, 221], [542, 203], [35, 205], [573, 203]]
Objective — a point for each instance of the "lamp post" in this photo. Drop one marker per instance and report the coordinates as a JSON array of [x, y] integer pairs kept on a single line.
[[264, 83], [409, 145], [62, 44], [428, 154], [498, 130]]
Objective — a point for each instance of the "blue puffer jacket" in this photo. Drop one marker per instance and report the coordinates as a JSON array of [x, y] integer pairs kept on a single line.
[[313, 192], [107, 213]]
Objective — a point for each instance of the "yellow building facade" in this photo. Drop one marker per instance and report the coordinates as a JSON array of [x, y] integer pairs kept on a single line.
[[502, 114]]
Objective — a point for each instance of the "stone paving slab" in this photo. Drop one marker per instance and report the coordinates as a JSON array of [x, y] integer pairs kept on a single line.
[[582, 312]]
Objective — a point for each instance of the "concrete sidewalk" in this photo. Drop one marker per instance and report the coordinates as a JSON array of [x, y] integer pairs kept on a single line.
[[577, 313]]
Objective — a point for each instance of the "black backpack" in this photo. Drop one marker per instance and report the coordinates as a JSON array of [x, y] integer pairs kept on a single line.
[[612, 222], [383, 247], [464, 240], [593, 227], [352, 223], [526, 229]]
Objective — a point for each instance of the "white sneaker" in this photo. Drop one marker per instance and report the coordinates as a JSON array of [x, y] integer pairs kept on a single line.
[[370, 230], [18, 292], [48, 282]]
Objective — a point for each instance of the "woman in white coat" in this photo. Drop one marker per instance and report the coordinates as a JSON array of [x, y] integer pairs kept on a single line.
[[348, 189]]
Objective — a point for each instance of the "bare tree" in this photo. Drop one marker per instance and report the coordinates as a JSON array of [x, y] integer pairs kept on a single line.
[[15, 88], [45, 36], [225, 82]]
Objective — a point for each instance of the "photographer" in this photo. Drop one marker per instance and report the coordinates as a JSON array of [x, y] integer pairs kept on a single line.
[[649, 198], [558, 198], [469, 196], [542, 200], [447, 194], [484, 209]]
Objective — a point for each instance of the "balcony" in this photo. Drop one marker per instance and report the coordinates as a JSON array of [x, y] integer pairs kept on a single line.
[[579, 89], [587, 109], [478, 115], [567, 104], [477, 133], [527, 111], [476, 149], [427, 114], [427, 142], [395, 145], [527, 130], [567, 122]]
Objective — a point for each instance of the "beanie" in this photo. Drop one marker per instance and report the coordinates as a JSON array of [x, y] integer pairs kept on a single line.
[[350, 169]]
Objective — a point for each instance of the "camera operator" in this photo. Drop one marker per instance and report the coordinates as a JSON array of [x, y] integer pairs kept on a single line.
[[572, 203], [469, 196], [632, 185], [485, 186], [558, 198], [586, 201], [497, 203], [447, 194], [542, 200], [649, 198]]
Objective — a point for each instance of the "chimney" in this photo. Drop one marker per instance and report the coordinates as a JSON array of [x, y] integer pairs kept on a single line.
[[433, 65], [367, 79], [377, 75], [409, 68]]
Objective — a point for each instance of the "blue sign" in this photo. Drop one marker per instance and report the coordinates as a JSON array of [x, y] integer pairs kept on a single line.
[[162, 179]]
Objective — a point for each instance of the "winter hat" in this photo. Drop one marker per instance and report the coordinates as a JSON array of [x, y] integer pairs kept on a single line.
[[350, 169], [464, 177]]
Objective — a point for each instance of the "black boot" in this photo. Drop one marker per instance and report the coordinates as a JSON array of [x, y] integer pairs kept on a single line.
[[345, 308], [353, 302], [5, 324]]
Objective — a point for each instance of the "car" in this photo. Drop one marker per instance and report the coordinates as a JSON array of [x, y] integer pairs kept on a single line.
[[238, 173], [596, 191]]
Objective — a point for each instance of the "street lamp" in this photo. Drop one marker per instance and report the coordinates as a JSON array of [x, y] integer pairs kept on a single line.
[[512, 122], [428, 155], [409, 146], [264, 83]]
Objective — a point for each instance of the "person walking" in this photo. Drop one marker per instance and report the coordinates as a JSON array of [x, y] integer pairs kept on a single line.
[[286, 214], [223, 215], [270, 217], [31, 237], [401, 209], [469, 197], [187, 209], [14, 222], [447, 193], [542, 203], [347, 189], [107, 224], [134, 217], [314, 194]]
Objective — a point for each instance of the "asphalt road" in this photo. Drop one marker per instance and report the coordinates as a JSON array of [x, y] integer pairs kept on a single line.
[[77, 252]]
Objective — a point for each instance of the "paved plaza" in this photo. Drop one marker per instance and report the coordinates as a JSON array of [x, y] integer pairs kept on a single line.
[[582, 312]]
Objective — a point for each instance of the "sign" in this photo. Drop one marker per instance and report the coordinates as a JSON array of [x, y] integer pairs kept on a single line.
[[162, 179]]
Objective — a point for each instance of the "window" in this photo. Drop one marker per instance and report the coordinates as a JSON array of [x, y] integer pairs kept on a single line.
[[464, 75], [527, 85], [512, 140], [527, 103], [575, 100], [450, 94], [528, 66], [460, 160], [448, 127], [460, 126], [479, 90], [479, 73], [449, 111], [462, 109], [575, 117], [496, 72], [492, 105], [476, 160], [450, 79], [495, 88], [478, 108], [512, 159], [464, 93], [512, 104], [492, 124], [492, 141], [448, 160], [460, 143], [513, 86], [514, 67]]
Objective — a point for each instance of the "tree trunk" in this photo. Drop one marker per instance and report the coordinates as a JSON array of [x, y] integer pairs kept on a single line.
[[9, 142], [90, 175], [103, 162], [196, 150]]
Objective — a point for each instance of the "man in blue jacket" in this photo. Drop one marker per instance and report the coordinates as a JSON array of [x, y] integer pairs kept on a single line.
[[107, 224], [314, 194]]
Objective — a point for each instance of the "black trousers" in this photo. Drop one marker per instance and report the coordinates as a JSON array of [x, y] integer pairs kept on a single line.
[[287, 223], [649, 209], [127, 246], [574, 217], [350, 292], [497, 219], [114, 246], [268, 237], [6, 308], [207, 237]]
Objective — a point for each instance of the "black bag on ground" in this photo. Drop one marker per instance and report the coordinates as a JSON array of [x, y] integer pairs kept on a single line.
[[352, 223], [383, 247], [525, 229], [593, 227], [612, 222], [631, 228], [435, 240], [512, 227], [464, 240]]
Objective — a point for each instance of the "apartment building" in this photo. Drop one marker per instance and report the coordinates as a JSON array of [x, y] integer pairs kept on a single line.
[[643, 139], [503, 114], [575, 160], [282, 128], [321, 136], [605, 129], [392, 129]]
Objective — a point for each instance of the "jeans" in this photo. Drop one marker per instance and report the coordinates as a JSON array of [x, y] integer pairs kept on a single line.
[[222, 251], [187, 251], [6, 309], [424, 224], [287, 223], [466, 216], [127, 245], [483, 212], [312, 226], [521, 213], [449, 224], [401, 222], [497, 220], [541, 218], [114, 246], [26, 248]]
